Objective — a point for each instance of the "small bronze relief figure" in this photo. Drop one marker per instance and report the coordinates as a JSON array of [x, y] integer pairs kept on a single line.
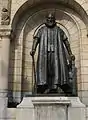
[[54, 63]]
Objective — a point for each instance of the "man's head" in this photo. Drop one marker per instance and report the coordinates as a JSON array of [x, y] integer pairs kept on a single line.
[[50, 20]]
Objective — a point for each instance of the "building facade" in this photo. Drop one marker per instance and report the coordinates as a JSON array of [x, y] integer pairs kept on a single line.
[[18, 21]]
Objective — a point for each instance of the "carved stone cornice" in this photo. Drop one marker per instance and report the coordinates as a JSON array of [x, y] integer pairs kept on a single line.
[[5, 31]]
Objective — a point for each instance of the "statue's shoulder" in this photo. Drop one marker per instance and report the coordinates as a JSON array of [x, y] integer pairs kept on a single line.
[[42, 28], [59, 28], [39, 30], [60, 31]]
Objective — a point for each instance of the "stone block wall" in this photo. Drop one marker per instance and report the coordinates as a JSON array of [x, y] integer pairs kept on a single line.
[[24, 17], [24, 21], [20, 60]]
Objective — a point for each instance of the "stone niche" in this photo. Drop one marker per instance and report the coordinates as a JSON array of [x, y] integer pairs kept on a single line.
[[51, 108]]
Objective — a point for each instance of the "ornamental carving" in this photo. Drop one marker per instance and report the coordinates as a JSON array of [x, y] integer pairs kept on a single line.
[[5, 18]]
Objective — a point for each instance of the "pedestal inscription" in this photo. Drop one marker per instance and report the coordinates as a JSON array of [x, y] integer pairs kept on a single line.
[[50, 112]]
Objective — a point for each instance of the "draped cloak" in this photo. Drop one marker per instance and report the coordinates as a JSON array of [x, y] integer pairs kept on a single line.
[[52, 58]]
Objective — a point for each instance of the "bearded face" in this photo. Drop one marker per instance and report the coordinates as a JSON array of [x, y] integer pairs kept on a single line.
[[50, 21]]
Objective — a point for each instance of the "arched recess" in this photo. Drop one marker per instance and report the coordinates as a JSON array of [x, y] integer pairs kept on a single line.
[[72, 4], [36, 19], [20, 60]]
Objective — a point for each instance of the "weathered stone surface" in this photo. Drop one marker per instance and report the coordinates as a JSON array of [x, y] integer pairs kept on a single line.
[[77, 29], [51, 108]]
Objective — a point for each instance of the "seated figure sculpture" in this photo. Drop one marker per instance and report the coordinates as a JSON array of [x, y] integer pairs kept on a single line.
[[55, 59]]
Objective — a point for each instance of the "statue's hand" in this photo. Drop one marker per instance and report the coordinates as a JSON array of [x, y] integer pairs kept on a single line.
[[32, 52], [72, 57]]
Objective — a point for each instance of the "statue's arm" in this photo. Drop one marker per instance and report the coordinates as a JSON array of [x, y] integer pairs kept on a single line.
[[36, 40], [35, 43], [67, 44], [34, 46]]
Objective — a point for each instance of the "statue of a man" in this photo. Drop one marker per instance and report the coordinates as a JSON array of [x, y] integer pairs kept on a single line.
[[54, 56]]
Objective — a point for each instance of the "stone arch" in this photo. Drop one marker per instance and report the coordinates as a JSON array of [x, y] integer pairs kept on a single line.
[[75, 6], [71, 20]]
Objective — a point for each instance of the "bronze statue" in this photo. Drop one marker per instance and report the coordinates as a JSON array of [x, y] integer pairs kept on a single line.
[[54, 57]]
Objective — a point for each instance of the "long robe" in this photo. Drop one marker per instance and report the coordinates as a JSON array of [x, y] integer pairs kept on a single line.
[[52, 68]]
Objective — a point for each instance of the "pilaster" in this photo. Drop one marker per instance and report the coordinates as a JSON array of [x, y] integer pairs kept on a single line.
[[4, 63]]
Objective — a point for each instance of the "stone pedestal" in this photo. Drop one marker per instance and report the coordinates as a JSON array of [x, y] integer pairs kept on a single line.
[[51, 108]]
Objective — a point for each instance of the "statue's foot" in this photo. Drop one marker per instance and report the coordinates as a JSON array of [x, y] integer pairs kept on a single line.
[[60, 91], [46, 91], [53, 91]]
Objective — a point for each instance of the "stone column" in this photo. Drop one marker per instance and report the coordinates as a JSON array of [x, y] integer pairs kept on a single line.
[[4, 62]]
